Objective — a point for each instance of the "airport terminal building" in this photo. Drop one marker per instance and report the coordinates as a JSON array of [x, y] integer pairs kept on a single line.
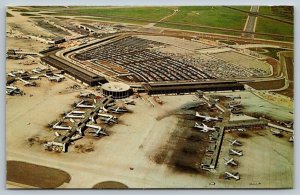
[[116, 89]]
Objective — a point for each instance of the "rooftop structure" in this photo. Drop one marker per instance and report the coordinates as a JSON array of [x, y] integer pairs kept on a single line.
[[116, 90]]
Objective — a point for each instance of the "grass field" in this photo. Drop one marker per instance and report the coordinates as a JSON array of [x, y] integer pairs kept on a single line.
[[215, 16], [93, 19], [270, 26], [147, 13]]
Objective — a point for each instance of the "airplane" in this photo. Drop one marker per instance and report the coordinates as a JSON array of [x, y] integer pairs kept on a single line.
[[27, 83], [234, 104], [108, 118], [234, 97], [235, 142], [81, 105], [58, 126], [103, 109], [11, 74], [206, 118], [75, 137], [110, 104], [230, 162], [289, 125], [78, 112], [38, 70], [118, 110], [97, 130], [236, 152], [10, 90], [204, 128], [129, 102], [34, 78], [75, 114], [59, 76], [241, 129], [17, 72], [85, 94], [229, 175], [92, 118], [55, 78], [275, 132], [56, 134]]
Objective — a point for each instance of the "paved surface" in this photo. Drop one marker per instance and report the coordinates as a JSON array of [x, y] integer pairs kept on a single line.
[[250, 24]]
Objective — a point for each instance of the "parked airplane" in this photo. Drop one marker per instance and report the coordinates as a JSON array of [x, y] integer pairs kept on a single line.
[[236, 152], [234, 104], [56, 134], [78, 112], [27, 83], [38, 70], [234, 97], [58, 126], [54, 78], [75, 114], [34, 78], [10, 90], [204, 128], [82, 105], [131, 102], [60, 76], [85, 94], [235, 142], [108, 118], [103, 109], [229, 175], [76, 137], [118, 110], [206, 118], [11, 74], [97, 130], [275, 132], [230, 162]]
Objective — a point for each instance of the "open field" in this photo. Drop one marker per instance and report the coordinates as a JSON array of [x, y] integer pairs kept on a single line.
[[186, 18], [270, 26], [147, 13], [35, 175], [215, 16]]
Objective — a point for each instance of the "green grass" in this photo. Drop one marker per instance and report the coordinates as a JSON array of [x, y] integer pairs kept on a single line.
[[197, 29], [265, 25], [279, 12], [91, 19], [146, 13], [215, 16]]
